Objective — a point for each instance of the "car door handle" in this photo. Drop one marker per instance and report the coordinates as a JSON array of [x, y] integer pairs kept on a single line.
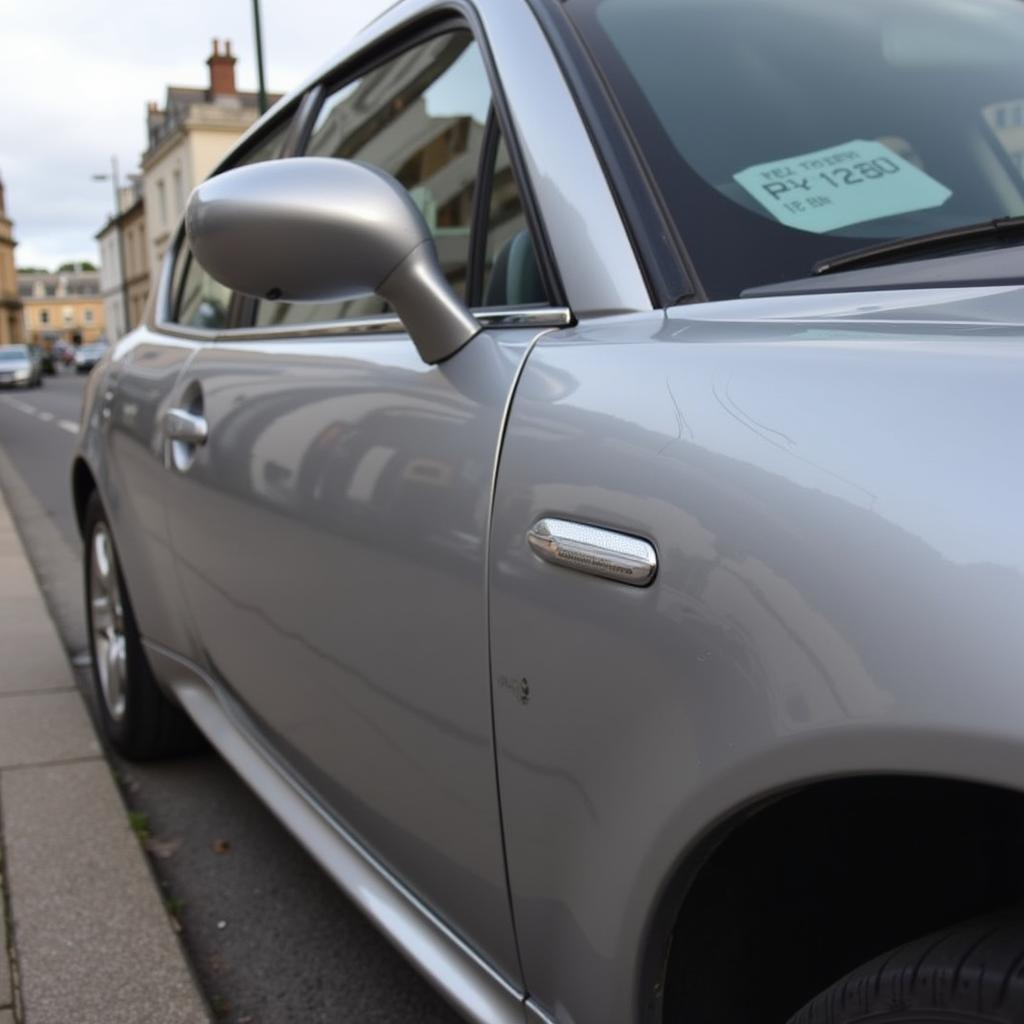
[[589, 549], [187, 427]]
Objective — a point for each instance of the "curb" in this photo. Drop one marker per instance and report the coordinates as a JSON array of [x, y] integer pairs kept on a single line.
[[87, 936]]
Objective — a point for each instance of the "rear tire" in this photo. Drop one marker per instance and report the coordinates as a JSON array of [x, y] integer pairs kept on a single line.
[[969, 974], [138, 719]]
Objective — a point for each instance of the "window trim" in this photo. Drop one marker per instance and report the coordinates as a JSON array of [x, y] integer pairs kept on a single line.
[[501, 316], [481, 210]]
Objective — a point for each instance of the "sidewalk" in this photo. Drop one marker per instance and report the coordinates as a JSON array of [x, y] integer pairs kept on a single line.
[[84, 938]]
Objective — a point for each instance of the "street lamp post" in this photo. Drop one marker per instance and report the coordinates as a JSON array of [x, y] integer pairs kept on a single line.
[[116, 181], [259, 55]]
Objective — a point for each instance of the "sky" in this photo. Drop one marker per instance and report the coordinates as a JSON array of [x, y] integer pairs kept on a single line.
[[76, 76]]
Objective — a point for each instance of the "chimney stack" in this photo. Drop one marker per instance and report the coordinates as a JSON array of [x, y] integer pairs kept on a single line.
[[222, 70]]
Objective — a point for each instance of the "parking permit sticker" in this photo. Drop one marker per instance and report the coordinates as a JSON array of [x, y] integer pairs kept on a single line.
[[848, 184]]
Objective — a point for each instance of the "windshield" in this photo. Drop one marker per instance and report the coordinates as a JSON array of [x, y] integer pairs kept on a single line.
[[783, 132], [12, 353]]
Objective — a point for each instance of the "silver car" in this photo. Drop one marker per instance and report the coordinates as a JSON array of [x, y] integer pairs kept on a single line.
[[20, 367], [572, 470]]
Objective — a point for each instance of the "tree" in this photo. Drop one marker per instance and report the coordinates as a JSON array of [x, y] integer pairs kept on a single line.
[[79, 265]]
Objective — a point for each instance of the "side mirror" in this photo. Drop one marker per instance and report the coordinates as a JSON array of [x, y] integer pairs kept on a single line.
[[312, 229]]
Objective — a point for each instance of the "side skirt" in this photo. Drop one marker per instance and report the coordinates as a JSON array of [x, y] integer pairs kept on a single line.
[[441, 956]]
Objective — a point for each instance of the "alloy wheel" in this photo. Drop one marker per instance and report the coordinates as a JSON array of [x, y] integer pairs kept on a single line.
[[107, 622]]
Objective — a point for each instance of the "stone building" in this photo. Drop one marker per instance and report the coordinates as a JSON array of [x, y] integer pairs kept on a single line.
[[11, 327], [65, 305], [187, 138], [125, 233]]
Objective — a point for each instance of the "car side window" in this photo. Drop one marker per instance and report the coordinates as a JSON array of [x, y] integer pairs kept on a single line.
[[422, 117], [197, 299], [511, 273]]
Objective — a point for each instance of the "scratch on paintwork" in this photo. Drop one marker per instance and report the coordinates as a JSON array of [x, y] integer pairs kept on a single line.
[[789, 446], [681, 424]]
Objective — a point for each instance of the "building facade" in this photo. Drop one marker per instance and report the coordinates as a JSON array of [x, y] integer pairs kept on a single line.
[[125, 235], [11, 323], [110, 241], [136, 260], [187, 138], [65, 306]]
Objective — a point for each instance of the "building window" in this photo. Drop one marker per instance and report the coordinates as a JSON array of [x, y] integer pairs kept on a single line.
[[69, 314], [44, 316], [179, 194], [88, 316], [161, 195]]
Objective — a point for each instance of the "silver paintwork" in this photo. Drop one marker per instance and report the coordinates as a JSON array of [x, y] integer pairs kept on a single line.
[[590, 549], [829, 602], [469, 982], [106, 621], [832, 484], [345, 487], [319, 230]]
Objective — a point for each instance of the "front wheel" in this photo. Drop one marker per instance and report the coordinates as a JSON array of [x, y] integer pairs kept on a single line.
[[138, 720], [969, 974]]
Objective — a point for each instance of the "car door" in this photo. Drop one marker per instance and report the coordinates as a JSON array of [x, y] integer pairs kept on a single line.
[[330, 533], [137, 392]]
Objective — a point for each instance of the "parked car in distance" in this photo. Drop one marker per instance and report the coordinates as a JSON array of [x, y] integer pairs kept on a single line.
[[87, 356], [20, 367], [572, 470]]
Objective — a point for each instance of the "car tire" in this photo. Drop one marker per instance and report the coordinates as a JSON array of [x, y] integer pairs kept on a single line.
[[969, 974], [140, 722]]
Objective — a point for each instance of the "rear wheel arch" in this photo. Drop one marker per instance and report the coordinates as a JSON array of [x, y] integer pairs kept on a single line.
[[788, 894]]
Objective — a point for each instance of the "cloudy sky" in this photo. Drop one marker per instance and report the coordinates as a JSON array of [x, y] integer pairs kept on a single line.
[[75, 77]]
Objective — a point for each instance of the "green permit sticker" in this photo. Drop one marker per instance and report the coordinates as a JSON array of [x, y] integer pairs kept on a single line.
[[848, 184]]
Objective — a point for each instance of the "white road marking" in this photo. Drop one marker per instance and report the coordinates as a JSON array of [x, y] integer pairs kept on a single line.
[[46, 417], [21, 406]]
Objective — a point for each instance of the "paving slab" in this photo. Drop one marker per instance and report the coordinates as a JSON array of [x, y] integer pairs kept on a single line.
[[94, 942], [36, 662], [39, 728]]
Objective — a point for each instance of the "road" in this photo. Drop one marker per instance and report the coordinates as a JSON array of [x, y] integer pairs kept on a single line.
[[271, 938]]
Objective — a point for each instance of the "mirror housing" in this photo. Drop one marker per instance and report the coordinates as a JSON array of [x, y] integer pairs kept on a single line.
[[313, 229]]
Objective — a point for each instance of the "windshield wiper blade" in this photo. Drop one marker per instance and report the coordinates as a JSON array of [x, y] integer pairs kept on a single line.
[[1001, 231]]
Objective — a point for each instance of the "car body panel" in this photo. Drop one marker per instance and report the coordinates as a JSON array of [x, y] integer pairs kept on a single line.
[[124, 444], [470, 982], [825, 602], [330, 539]]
